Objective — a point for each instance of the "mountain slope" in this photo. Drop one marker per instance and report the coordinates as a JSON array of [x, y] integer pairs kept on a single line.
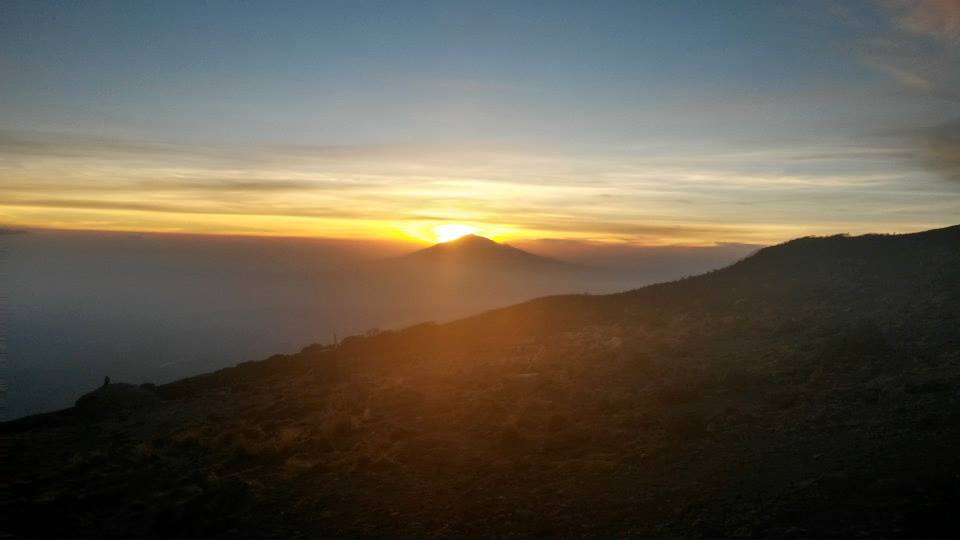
[[806, 391]]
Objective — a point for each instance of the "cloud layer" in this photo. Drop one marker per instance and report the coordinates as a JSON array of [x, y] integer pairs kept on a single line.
[[705, 126], [696, 197]]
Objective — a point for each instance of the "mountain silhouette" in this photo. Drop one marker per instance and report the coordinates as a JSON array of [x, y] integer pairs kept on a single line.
[[462, 276], [472, 251], [808, 390]]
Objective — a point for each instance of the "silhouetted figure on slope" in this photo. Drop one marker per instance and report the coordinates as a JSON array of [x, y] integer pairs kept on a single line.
[[106, 381]]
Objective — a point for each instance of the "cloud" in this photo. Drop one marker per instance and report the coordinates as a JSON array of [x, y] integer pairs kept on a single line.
[[942, 145], [633, 194], [57, 145], [923, 68], [34, 144], [87, 204], [28, 146], [251, 185], [939, 19], [917, 44]]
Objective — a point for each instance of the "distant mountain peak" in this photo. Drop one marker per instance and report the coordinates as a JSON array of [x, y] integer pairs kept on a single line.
[[480, 251], [470, 240], [472, 245]]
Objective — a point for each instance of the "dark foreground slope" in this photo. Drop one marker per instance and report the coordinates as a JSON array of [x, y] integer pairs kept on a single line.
[[810, 390]]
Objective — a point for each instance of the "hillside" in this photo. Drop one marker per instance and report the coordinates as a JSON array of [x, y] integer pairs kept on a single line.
[[809, 390]]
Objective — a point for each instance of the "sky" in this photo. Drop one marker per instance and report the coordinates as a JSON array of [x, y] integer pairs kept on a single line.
[[642, 123]]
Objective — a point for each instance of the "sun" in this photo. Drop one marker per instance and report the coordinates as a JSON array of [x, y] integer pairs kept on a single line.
[[452, 231]]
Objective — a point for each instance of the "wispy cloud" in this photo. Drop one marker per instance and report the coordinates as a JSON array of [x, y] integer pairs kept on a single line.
[[917, 44], [128, 205], [30, 144], [939, 19], [942, 145]]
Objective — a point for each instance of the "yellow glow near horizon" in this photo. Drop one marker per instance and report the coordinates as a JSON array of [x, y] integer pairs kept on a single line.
[[452, 231]]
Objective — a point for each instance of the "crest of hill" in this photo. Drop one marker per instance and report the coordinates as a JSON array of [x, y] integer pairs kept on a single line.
[[879, 247]]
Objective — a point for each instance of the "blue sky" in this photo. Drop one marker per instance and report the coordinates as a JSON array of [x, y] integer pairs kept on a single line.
[[643, 122]]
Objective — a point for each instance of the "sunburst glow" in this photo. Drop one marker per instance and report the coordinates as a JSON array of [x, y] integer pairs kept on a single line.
[[452, 231]]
